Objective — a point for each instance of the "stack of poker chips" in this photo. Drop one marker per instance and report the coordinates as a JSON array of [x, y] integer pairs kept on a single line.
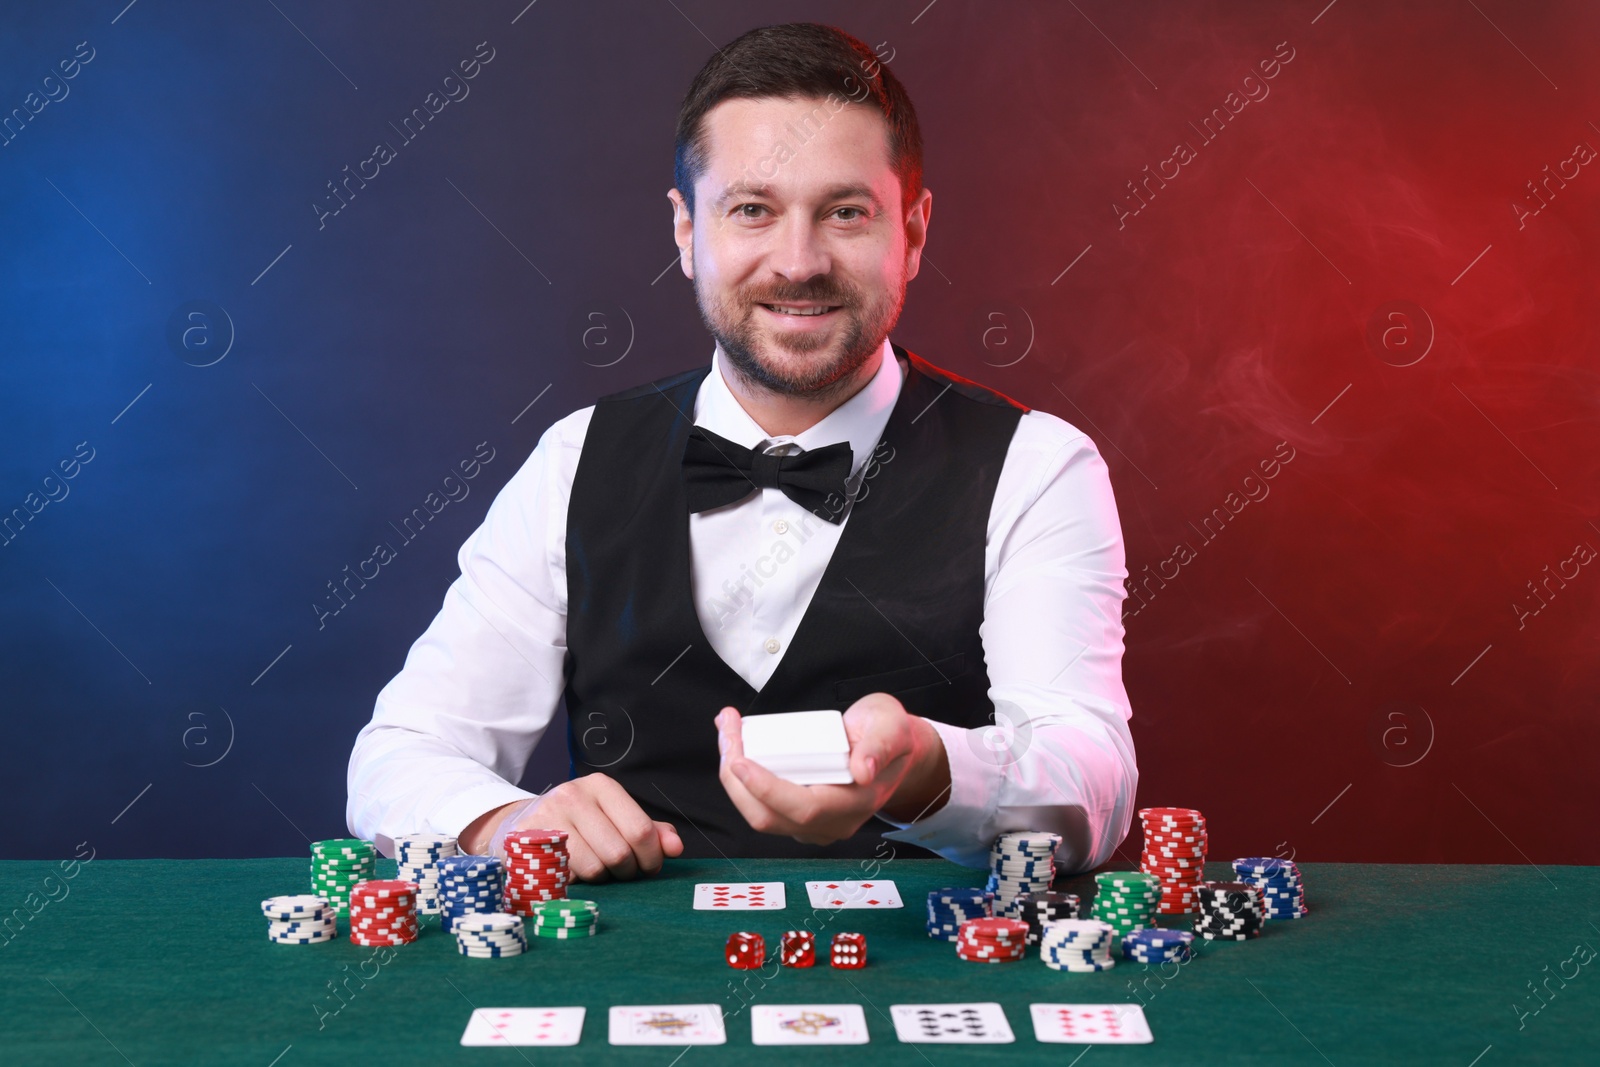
[[418, 856], [566, 919], [1175, 851], [337, 865], [1157, 946], [1036, 909], [848, 952], [949, 908], [797, 948], [383, 912], [490, 935], [300, 920], [1077, 945], [993, 940], [745, 951], [1126, 900], [1279, 881], [1023, 862], [1229, 911], [536, 868], [468, 885]]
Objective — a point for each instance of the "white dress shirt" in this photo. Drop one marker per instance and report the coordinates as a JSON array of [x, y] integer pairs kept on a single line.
[[453, 731]]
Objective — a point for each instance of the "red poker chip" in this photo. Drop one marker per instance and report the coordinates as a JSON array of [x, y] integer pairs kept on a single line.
[[384, 887], [534, 836]]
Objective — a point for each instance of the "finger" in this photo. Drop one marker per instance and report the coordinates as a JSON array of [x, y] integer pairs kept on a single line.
[[632, 823], [605, 842], [758, 815], [581, 859], [671, 840], [795, 805], [877, 727]]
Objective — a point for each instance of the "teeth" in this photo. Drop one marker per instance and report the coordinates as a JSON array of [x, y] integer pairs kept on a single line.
[[796, 311]]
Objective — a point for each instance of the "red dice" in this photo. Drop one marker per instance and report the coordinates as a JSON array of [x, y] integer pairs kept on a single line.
[[849, 951], [798, 949], [746, 951]]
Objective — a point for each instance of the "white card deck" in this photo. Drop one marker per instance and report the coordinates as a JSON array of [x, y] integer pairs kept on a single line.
[[1091, 1024], [739, 896], [958, 1024], [667, 1024], [808, 1024], [878, 893], [524, 1026]]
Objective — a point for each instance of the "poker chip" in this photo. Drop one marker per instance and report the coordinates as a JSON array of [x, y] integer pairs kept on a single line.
[[1282, 891], [383, 912], [1077, 945], [745, 951], [949, 908], [301, 919], [418, 856], [1126, 900], [1036, 909], [1020, 862], [797, 948], [536, 868], [1229, 911], [490, 935], [337, 865], [848, 951], [1175, 842], [992, 940], [1157, 946], [565, 919], [469, 885]]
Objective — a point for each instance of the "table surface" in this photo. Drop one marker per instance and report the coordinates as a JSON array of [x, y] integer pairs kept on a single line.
[[166, 962]]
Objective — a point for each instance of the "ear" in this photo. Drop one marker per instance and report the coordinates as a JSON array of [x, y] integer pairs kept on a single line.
[[682, 232], [916, 230]]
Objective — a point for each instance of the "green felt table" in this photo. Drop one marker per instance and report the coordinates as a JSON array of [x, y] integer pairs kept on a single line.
[[166, 962]]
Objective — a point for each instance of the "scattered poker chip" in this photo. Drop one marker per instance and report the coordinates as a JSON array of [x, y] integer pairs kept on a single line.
[[745, 951], [337, 865], [949, 908], [469, 885], [536, 868], [1020, 862], [417, 856], [1175, 842], [848, 951], [1230, 911], [1282, 891], [383, 912], [992, 940], [1077, 945], [797, 948]]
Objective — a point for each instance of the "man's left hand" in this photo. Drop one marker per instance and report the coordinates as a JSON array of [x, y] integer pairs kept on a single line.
[[897, 761]]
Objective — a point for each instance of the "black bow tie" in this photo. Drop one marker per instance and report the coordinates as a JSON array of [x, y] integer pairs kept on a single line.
[[716, 472]]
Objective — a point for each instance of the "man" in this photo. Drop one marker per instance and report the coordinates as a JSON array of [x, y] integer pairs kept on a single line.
[[819, 519]]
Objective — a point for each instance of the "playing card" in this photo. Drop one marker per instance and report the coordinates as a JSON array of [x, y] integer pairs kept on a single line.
[[667, 1024], [1091, 1024], [880, 893], [524, 1026], [963, 1024], [805, 747], [808, 1024], [738, 896]]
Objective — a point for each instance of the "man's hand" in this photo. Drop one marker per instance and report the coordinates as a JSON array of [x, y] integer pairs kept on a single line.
[[608, 834], [897, 760]]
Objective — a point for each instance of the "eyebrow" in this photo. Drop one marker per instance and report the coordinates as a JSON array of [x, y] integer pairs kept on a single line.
[[854, 190]]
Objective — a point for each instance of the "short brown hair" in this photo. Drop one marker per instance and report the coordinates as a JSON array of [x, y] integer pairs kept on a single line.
[[798, 60]]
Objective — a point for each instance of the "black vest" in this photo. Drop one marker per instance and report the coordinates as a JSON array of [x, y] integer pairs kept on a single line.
[[897, 610]]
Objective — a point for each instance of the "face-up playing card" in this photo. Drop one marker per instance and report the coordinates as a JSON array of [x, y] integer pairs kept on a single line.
[[667, 1024], [961, 1024], [880, 893], [808, 1024], [524, 1026], [1091, 1024], [739, 896]]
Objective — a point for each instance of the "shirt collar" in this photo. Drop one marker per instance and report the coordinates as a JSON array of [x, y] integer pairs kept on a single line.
[[858, 421]]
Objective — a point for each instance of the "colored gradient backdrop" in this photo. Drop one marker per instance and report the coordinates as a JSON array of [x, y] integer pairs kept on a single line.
[[1319, 280]]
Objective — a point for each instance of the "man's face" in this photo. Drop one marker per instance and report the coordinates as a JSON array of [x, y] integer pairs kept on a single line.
[[798, 210]]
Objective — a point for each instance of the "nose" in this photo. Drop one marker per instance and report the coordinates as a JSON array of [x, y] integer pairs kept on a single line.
[[800, 253]]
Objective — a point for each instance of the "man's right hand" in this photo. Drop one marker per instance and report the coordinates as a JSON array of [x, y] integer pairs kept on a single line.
[[608, 833]]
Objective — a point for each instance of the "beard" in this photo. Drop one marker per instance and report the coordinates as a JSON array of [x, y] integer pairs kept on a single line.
[[805, 365]]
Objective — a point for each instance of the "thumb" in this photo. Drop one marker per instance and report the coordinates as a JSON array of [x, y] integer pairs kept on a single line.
[[671, 843]]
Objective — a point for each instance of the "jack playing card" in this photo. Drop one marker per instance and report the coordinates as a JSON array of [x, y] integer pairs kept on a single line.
[[524, 1026], [808, 1024], [964, 1024], [739, 896], [667, 1024], [1091, 1024]]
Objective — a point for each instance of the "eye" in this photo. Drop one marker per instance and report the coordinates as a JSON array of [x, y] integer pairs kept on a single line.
[[741, 209], [859, 213]]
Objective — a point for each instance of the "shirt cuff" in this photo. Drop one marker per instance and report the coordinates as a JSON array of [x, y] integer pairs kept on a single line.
[[457, 812], [954, 830]]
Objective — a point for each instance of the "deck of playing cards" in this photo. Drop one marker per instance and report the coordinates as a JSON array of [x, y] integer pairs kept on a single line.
[[804, 747]]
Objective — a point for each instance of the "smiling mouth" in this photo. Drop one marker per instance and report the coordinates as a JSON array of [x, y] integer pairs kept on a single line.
[[800, 311]]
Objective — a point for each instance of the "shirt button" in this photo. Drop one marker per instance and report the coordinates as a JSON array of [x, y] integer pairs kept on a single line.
[[780, 527], [772, 644]]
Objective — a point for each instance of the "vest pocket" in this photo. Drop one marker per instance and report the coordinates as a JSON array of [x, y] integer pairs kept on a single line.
[[850, 690]]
